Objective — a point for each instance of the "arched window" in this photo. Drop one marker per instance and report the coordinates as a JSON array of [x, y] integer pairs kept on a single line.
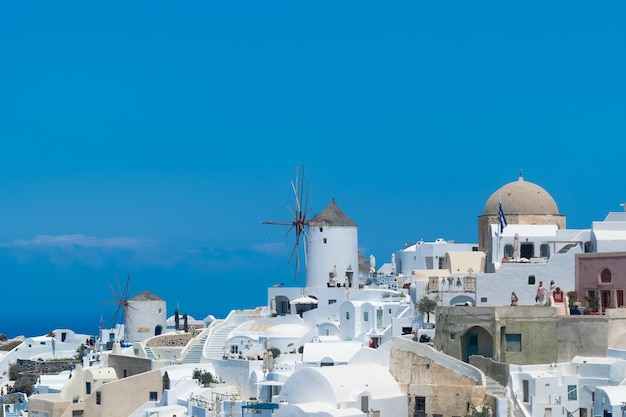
[[605, 276]]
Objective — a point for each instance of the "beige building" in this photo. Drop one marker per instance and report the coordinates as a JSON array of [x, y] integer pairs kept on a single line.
[[526, 335], [100, 392], [436, 384]]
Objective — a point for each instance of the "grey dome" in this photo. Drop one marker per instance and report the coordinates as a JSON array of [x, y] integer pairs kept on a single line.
[[521, 197]]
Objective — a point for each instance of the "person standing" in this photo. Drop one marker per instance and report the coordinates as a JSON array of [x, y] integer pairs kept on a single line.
[[514, 299], [552, 285], [541, 293]]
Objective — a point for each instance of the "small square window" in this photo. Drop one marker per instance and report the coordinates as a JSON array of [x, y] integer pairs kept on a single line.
[[154, 396], [572, 392], [452, 335], [513, 342], [483, 299]]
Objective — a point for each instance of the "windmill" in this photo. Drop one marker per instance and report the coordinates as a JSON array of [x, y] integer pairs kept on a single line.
[[299, 213], [121, 296]]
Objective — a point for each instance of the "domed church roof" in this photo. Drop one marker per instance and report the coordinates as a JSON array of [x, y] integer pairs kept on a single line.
[[521, 197]]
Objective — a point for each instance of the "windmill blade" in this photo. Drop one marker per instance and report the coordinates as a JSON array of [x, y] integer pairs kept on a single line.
[[301, 190], [306, 238], [298, 213], [114, 294], [119, 287]]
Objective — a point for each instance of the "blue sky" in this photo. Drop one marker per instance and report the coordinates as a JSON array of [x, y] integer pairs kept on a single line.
[[152, 138]]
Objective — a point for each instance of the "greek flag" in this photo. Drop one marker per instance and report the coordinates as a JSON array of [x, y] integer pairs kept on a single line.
[[501, 217]]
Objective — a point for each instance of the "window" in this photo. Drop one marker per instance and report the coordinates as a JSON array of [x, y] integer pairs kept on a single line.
[[87, 388], [34, 413], [620, 298], [365, 404], [572, 393], [527, 250], [154, 396], [452, 335], [46, 414], [332, 301], [78, 413], [366, 316], [591, 294], [234, 349], [98, 398], [544, 250], [325, 241], [483, 299], [525, 390], [321, 229], [605, 276], [347, 315], [513, 342], [125, 373], [508, 251], [531, 280], [420, 405]]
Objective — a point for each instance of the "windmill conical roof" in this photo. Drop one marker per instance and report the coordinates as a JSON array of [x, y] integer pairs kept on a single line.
[[332, 215], [146, 296]]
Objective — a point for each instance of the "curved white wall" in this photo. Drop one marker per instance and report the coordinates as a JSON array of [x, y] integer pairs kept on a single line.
[[329, 246], [143, 317]]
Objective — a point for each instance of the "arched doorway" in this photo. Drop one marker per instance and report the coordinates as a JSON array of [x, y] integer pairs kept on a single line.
[[476, 341]]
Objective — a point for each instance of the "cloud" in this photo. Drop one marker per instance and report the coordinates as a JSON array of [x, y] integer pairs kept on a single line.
[[271, 248], [78, 240], [69, 251]]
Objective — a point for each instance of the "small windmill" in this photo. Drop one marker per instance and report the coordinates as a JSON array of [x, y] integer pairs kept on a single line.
[[299, 213], [121, 296]]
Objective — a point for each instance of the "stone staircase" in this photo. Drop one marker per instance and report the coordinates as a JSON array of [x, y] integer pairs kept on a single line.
[[194, 354], [216, 344], [149, 353], [561, 309], [494, 388]]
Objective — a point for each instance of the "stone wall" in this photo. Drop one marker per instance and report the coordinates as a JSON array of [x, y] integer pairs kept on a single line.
[[448, 386], [33, 369], [171, 340], [496, 370]]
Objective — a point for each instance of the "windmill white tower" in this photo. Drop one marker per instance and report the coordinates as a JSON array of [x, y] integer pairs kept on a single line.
[[146, 317], [332, 246]]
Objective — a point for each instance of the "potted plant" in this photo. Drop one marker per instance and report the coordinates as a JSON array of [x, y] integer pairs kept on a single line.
[[571, 302], [593, 304]]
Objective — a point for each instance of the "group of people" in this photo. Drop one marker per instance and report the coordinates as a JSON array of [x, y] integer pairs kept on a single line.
[[541, 293]]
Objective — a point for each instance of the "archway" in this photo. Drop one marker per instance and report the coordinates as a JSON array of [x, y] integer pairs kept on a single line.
[[476, 341]]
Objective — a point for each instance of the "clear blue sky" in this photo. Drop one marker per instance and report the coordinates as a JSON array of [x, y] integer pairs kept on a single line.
[[152, 138]]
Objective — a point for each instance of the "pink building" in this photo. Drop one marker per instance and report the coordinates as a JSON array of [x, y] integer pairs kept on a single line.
[[601, 277]]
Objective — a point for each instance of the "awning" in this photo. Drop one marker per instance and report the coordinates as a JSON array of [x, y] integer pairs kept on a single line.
[[271, 383], [304, 299]]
